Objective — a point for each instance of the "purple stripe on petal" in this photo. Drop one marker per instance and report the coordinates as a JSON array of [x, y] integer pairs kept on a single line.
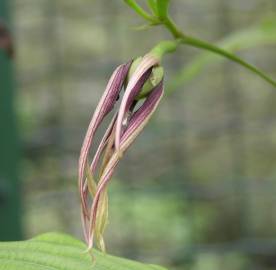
[[101, 147], [131, 95], [95, 160], [136, 125], [128, 99], [105, 105], [142, 116], [102, 144], [135, 85]]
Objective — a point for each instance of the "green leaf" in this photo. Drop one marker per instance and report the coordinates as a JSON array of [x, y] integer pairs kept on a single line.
[[258, 35], [54, 251]]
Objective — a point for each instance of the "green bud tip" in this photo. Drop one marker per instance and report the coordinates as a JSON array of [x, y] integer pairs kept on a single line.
[[155, 78]]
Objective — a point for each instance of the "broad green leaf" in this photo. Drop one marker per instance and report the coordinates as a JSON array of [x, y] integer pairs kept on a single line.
[[54, 251], [258, 35]]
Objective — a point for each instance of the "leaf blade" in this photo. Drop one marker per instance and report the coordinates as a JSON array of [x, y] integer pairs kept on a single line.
[[53, 251]]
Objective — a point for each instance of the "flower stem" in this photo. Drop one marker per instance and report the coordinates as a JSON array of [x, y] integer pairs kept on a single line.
[[210, 47], [162, 18], [194, 42], [164, 47], [172, 27]]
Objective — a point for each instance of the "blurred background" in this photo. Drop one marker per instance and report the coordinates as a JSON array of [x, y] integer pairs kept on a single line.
[[197, 189]]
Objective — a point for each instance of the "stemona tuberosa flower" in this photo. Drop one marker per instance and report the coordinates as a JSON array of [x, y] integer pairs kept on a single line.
[[141, 79]]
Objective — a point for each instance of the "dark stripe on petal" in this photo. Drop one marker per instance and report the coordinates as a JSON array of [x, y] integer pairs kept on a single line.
[[142, 116], [105, 105], [136, 125], [133, 88]]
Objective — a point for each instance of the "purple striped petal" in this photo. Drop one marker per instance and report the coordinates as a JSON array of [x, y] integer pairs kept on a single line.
[[103, 144], [137, 80], [105, 105], [136, 125], [101, 147], [141, 117]]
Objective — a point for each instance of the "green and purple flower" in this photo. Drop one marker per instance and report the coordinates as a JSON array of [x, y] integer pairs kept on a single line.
[[136, 79]]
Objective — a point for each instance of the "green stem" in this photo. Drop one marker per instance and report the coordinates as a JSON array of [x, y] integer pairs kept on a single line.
[[210, 47], [172, 27], [187, 40], [164, 47], [180, 38]]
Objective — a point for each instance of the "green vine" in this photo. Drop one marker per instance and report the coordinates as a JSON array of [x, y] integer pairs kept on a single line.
[[159, 16]]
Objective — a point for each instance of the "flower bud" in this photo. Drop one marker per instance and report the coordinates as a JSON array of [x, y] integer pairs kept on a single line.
[[140, 78], [156, 76]]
